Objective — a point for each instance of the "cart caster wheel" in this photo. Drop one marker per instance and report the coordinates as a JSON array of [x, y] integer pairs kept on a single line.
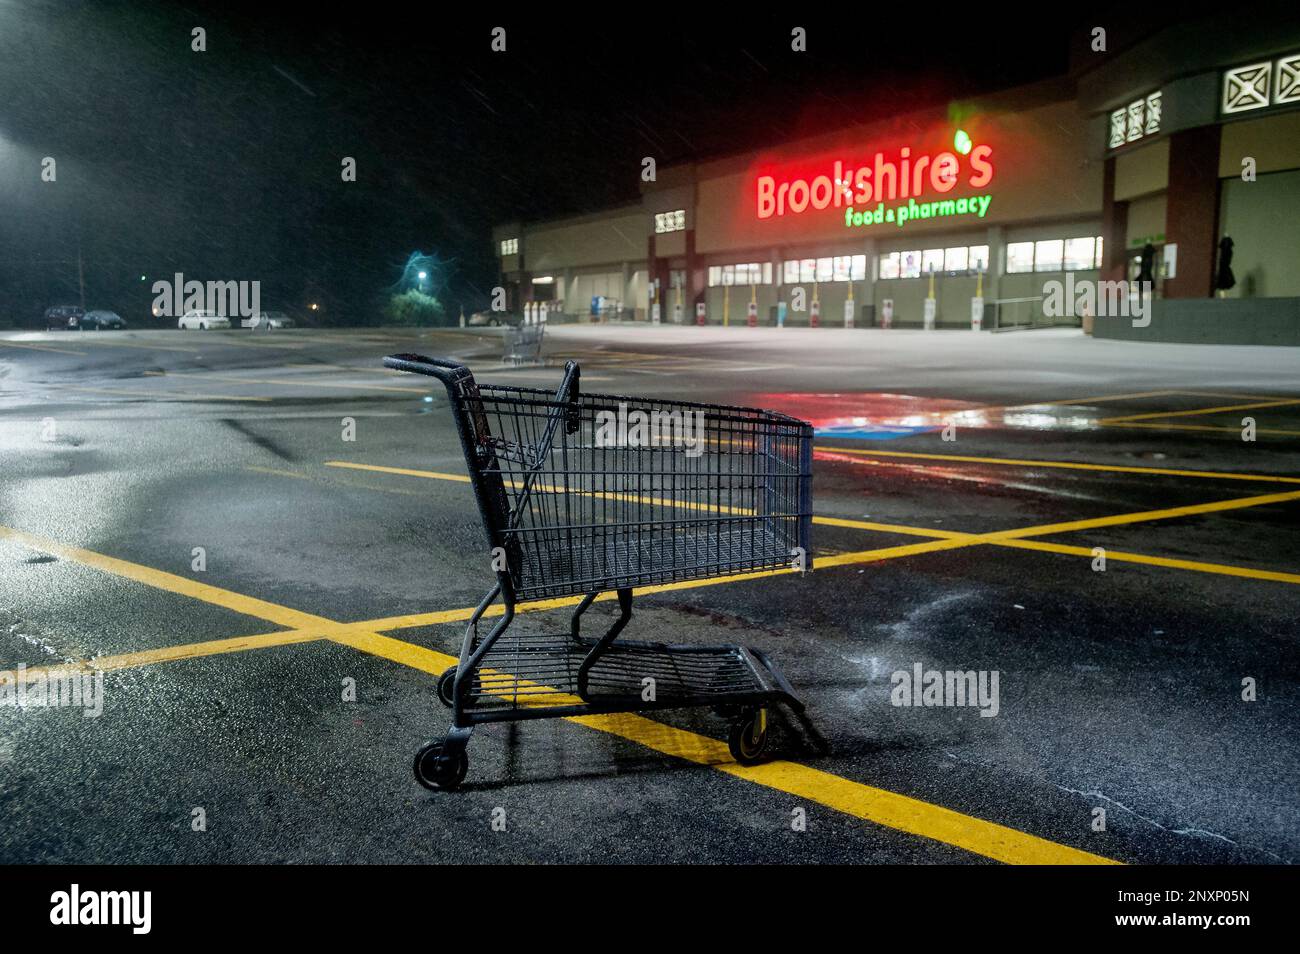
[[748, 737], [446, 686], [438, 770]]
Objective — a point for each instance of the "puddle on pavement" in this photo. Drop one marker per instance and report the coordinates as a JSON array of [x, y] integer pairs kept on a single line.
[[885, 416]]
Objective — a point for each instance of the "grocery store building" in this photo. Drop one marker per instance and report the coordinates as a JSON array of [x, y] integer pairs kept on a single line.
[[1185, 137]]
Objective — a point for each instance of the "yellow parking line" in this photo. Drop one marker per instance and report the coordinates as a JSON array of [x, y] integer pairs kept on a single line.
[[98, 340], [1121, 556], [1196, 412], [36, 347], [1091, 400], [288, 381], [1064, 464], [403, 471], [884, 808], [149, 657], [1216, 428], [161, 395], [881, 807]]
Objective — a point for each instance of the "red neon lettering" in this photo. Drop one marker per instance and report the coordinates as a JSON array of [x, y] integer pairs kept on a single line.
[[766, 197], [979, 163], [943, 174]]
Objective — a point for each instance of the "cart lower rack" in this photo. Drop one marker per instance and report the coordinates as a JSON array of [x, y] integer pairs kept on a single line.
[[583, 494]]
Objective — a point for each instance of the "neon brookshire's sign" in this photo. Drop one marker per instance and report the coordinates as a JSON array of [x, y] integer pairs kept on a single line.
[[872, 192]]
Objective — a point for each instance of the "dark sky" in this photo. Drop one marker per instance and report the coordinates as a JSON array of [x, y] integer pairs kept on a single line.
[[225, 164]]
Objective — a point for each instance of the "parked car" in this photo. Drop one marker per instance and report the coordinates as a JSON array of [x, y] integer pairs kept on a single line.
[[491, 319], [63, 317], [99, 319], [268, 319], [202, 320]]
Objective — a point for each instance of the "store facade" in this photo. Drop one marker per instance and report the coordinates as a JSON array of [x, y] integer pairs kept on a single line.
[[920, 218]]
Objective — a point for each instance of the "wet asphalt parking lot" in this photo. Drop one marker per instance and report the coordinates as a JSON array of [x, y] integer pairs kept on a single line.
[[1121, 731]]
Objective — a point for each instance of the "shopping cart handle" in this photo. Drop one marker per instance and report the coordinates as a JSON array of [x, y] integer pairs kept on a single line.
[[448, 372]]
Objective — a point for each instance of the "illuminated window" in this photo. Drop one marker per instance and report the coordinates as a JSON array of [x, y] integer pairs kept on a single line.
[[841, 267], [910, 265], [1020, 257], [790, 272], [1080, 253], [673, 221], [1117, 127], [1139, 118], [1048, 254], [931, 261], [955, 259], [1246, 87], [1097, 260], [889, 265], [510, 246], [823, 269], [979, 258], [746, 273]]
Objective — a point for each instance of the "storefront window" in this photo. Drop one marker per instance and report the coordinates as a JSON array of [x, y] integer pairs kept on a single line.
[[979, 258], [911, 265], [746, 273], [954, 259], [1080, 253], [889, 265], [1097, 260], [1048, 255], [1020, 257]]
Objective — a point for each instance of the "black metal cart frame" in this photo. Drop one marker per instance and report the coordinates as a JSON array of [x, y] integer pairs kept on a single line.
[[583, 494]]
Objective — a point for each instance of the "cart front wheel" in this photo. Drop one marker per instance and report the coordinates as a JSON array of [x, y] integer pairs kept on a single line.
[[447, 687], [439, 770], [748, 737]]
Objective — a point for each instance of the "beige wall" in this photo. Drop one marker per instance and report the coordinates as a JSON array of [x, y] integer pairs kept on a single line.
[[603, 240], [1146, 219], [1142, 171], [1273, 142], [1261, 219]]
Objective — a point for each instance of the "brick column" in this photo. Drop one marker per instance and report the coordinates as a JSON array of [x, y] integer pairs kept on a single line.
[[1114, 228], [1192, 210]]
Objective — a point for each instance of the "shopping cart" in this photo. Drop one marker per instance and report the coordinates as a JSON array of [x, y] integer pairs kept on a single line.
[[582, 494], [523, 344]]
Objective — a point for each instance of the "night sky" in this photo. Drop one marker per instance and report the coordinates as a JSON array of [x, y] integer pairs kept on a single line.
[[226, 164]]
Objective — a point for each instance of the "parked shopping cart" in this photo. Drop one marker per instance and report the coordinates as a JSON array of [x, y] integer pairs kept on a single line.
[[582, 494], [523, 344]]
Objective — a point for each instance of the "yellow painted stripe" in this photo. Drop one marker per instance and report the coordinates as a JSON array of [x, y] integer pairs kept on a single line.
[[624, 497], [866, 802], [1215, 428], [403, 471], [1196, 412], [1122, 556], [1101, 399], [1218, 506], [209, 376], [161, 395], [150, 657], [36, 347], [871, 804], [1065, 464], [249, 606]]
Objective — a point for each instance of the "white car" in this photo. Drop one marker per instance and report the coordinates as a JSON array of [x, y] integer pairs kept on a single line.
[[202, 320], [268, 320]]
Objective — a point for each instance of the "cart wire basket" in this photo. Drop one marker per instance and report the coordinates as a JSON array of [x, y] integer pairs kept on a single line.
[[584, 494], [523, 345]]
